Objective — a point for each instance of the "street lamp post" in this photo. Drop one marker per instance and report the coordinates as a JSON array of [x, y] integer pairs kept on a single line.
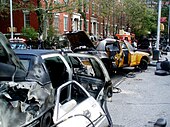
[[156, 53], [169, 26], [158, 28], [11, 20]]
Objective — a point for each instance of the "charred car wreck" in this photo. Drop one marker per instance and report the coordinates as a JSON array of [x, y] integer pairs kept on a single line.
[[36, 86], [24, 96], [81, 43]]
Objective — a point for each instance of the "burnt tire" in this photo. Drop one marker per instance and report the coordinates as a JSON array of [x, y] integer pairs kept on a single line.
[[161, 72], [143, 64], [46, 120], [165, 65]]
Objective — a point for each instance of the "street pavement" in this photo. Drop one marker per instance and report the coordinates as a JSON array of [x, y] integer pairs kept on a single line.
[[142, 99]]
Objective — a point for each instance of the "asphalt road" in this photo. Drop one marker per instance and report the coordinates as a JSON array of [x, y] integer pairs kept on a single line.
[[141, 99]]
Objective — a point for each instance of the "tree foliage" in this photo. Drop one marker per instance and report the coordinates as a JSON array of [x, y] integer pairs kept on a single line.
[[140, 18], [4, 9], [30, 33]]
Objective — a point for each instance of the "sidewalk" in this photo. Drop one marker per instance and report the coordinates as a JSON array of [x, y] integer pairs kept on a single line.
[[142, 100]]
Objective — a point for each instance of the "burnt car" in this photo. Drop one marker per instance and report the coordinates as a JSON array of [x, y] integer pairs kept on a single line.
[[122, 54], [24, 96], [32, 86], [64, 66], [79, 42]]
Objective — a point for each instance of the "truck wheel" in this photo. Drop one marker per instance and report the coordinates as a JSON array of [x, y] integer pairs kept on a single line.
[[46, 120], [143, 64]]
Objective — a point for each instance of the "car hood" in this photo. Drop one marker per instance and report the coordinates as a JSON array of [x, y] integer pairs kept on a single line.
[[78, 39], [11, 66]]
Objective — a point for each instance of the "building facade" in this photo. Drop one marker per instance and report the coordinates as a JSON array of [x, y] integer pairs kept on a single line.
[[62, 22]]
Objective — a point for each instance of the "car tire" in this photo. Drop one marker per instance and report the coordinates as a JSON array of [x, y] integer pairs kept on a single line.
[[165, 65], [46, 120], [143, 64], [161, 72]]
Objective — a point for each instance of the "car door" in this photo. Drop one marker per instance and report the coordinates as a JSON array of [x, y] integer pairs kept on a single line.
[[125, 53], [132, 57], [75, 107], [58, 68], [91, 73]]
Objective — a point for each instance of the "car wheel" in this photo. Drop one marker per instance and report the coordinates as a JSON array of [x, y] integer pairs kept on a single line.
[[46, 120], [143, 64], [161, 72], [165, 65]]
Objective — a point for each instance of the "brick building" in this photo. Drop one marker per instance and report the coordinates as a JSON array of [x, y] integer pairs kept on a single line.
[[63, 22]]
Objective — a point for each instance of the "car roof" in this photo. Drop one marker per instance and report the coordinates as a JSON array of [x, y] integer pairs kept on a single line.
[[40, 51], [109, 39], [35, 56], [36, 51], [101, 45]]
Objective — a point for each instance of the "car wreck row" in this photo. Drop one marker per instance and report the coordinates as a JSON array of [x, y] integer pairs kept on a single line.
[[114, 53], [46, 88]]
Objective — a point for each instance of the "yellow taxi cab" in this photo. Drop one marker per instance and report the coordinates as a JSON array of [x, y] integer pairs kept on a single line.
[[123, 54]]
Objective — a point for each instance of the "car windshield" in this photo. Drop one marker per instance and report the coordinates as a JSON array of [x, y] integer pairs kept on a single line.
[[112, 47], [26, 63]]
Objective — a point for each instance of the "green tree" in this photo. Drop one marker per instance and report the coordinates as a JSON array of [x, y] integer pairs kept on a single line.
[[50, 8], [105, 9], [4, 9], [29, 32], [140, 18], [165, 13]]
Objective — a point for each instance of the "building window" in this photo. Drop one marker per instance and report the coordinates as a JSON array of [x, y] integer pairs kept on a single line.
[[65, 23], [93, 8], [3, 1], [87, 25], [56, 22], [56, 2], [87, 8], [26, 18], [81, 24]]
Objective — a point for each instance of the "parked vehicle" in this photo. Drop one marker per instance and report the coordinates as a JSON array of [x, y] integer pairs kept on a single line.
[[67, 67], [18, 43], [79, 42], [123, 54], [41, 80], [63, 66]]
